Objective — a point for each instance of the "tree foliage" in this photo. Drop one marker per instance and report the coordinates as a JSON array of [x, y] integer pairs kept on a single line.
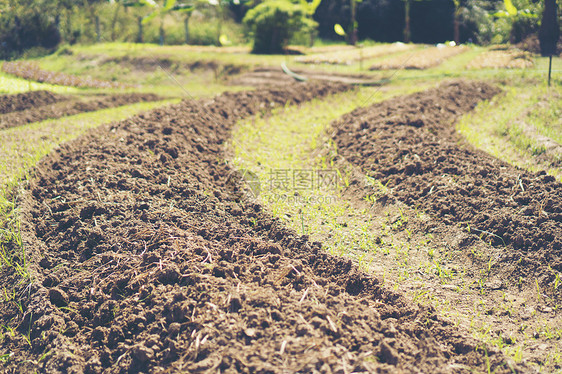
[[273, 23], [26, 24], [384, 20], [516, 20]]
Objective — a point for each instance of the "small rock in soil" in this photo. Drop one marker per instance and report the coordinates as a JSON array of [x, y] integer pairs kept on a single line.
[[494, 284], [58, 297], [142, 353], [388, 354], [174, 328]]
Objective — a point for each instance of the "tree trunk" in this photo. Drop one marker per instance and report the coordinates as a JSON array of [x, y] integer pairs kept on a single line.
[[94, 19], [186, 28], [98, 31], [162, 36], [114, 21], [353, 33], [57, 22], [456, 23], [140, 38], [407, 21], [219, 23], [69, 37], [18, 28]]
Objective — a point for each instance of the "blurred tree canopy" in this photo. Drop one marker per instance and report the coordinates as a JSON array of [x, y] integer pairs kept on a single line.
[[25, 24], [431, 21], [274, 23], [43, 24]]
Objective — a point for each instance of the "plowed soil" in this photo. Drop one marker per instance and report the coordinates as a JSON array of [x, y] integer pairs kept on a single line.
[[347, 57], [411, 145], [31, 71], [419, 59], [168, 63], [502, 59], [275, 76], [72, 106], [141, 261], [27, 100]]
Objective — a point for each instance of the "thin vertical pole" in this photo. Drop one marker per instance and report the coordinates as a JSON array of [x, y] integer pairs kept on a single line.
[[549, 69]]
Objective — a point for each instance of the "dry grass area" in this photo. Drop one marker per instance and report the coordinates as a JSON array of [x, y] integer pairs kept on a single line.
[[502, 59], [32, 72], [349, 56], [422, 59]]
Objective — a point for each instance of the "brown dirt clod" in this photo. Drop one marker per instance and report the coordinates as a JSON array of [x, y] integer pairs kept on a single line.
[[68, 106], [27, 100]]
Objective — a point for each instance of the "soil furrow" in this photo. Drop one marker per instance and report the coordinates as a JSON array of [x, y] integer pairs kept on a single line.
[[154, 63], [275, 76], [28, 100], [410, 144], [70, 107], [143, 260]]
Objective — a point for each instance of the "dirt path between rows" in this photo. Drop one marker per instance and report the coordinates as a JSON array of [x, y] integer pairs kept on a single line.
[[275, 76], [550, 152], [410, 144], [68, 106], [142, 261], [28, 100], [149, 64]]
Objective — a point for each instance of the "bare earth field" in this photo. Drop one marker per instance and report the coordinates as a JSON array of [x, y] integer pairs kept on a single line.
[[140, 246], [204, 274]]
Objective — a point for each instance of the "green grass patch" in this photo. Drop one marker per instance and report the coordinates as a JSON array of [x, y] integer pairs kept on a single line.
[[12, 85], [546, 115], [278, 148], [169, 81], [507, 126]]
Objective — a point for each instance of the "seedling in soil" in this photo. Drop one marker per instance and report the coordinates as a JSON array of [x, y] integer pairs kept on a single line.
[[68, 309], [6, 259], [538, 290], [27, 336], [44, 356], [9, 330], [419, 295], [8, 295]]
